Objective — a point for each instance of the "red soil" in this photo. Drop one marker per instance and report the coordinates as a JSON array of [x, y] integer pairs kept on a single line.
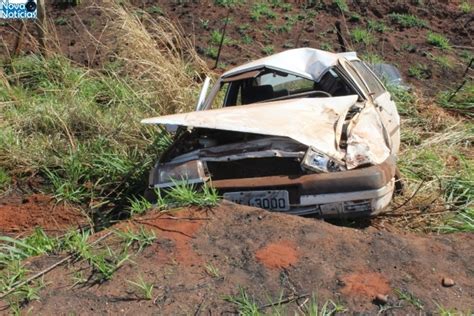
[[38, 211], [180, 229], [365, 284], [278, 255]]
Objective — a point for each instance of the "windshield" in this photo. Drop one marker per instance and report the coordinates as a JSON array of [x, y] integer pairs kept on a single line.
[[267, 85]]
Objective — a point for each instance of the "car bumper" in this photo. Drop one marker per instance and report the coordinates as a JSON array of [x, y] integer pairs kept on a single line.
[[355, 193]]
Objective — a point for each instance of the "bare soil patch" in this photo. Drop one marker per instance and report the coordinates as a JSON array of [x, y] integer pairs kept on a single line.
[[365, 285], [22, 214], [278, 255], [347, 265]]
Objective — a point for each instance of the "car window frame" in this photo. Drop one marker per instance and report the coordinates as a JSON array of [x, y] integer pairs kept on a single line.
[[374, 78]]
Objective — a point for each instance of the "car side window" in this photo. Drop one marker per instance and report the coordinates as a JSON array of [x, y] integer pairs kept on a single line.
[[373, 84]]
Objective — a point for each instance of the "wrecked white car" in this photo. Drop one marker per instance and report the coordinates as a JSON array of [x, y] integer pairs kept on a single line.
[[304, 132]]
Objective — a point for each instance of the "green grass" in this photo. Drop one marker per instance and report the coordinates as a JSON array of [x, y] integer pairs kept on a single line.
[[228, 3], [377, 26], [260, 10], [438, 40], [184, 194], [466, 7], [244, 303], [216, 38], [407, 20], [268, 50], [409, 298], [360, 35], [145, 289], [139, 239], [4, 179], [341, 5], [462, 102], [419, 71]]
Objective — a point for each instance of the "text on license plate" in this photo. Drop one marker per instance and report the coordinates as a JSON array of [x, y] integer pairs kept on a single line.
[[271, 200]]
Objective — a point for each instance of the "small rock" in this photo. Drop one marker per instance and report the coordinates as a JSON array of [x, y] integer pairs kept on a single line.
[[447, 282], [381, 299], [260, 217]]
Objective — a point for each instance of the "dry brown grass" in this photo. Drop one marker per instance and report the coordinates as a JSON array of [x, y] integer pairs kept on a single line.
[[157, 54]]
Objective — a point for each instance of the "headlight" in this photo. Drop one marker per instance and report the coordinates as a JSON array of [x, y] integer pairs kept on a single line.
[[317, 161], [167, 174]]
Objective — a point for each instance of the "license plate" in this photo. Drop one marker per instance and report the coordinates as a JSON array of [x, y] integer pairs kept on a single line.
[[270, 200]]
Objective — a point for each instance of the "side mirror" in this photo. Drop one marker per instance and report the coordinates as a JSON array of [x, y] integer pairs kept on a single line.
[[203, 94]]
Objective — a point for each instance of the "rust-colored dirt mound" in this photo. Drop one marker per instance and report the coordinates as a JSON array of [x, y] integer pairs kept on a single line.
[[277, 255], [22, 215], [180, 230], [365, 284], [200, 257]]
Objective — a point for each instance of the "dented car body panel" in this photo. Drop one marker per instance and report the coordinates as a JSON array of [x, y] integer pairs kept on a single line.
[[314, 135]]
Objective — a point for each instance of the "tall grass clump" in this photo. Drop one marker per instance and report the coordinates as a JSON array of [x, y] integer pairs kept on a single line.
[[159, 58], [79, 128]]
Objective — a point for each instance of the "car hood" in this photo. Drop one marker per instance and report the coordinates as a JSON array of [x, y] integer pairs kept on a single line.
[[311, 121]]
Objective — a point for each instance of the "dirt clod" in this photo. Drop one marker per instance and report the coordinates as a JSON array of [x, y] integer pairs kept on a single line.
[[447, 282], [278, 255], [365, 284]]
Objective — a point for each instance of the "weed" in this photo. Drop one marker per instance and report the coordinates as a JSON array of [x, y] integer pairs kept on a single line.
[[142, 238], [268, 50], [341, 5], [260, 10], [244, 303], [407, 20], [461, 102], [212, 271], [17, 249], [247, 39], [329, 308], [139, 205], [404, 100], [377, 26], [326, 46], [78, 278], [443, 61], [443, 311], [184, 194], [360, 35], [216, 38], [4, 180], [372, 58], [438, 40], [227, 3], [419, 71], [271, 27], [355, 18], [466, 7], [145, 289], [204, 23], [105, 263], [409, 298], [211, 51]]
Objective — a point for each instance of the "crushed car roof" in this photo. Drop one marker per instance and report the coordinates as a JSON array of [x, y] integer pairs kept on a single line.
[[305, 62]]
